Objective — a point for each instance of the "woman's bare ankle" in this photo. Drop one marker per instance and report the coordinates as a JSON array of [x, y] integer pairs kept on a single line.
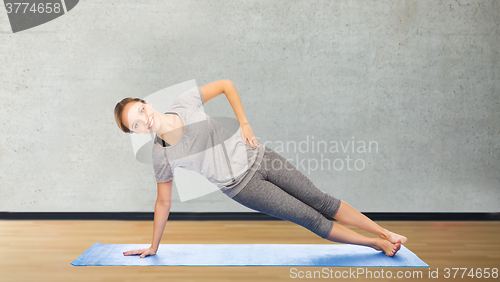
[[392, 237], [384, 234]]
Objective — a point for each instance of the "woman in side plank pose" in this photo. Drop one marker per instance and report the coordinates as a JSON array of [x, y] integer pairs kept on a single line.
[[249, 173]]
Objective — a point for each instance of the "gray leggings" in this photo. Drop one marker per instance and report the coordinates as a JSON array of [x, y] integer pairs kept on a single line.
[[278, 189]]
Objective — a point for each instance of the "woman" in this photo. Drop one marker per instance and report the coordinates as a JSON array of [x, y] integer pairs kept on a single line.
[[251, 174]]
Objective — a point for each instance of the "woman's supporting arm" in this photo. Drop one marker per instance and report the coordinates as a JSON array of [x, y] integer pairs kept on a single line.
[[160, 220], [162, 210]]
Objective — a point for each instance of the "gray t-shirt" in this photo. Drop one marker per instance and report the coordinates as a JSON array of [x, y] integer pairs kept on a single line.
[[205, 147]]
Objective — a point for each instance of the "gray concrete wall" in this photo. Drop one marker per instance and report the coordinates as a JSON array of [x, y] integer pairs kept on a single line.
[[419, 79]]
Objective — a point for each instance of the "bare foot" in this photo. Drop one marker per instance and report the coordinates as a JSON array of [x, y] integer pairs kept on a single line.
[[387, 247], [393, 237]]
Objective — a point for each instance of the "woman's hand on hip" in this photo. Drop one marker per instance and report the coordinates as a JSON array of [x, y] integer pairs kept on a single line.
[[143, 252], [248, 136]]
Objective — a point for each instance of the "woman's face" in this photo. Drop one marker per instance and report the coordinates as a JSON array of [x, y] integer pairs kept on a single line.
[[140, 118]]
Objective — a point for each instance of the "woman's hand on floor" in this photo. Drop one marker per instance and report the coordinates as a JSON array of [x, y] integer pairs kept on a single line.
[[143, 252]]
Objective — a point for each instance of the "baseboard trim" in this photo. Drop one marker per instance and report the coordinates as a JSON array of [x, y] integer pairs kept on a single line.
[[149, 216]]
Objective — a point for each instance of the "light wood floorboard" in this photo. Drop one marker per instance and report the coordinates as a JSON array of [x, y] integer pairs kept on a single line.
[[43, 250]]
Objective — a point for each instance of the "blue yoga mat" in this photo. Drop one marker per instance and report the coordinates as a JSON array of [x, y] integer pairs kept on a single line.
[[340, 255]]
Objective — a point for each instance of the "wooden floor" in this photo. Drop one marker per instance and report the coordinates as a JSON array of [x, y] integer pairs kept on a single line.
[[43, 250]]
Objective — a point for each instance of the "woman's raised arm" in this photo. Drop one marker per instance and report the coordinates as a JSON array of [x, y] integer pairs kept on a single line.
[[214, 89]]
